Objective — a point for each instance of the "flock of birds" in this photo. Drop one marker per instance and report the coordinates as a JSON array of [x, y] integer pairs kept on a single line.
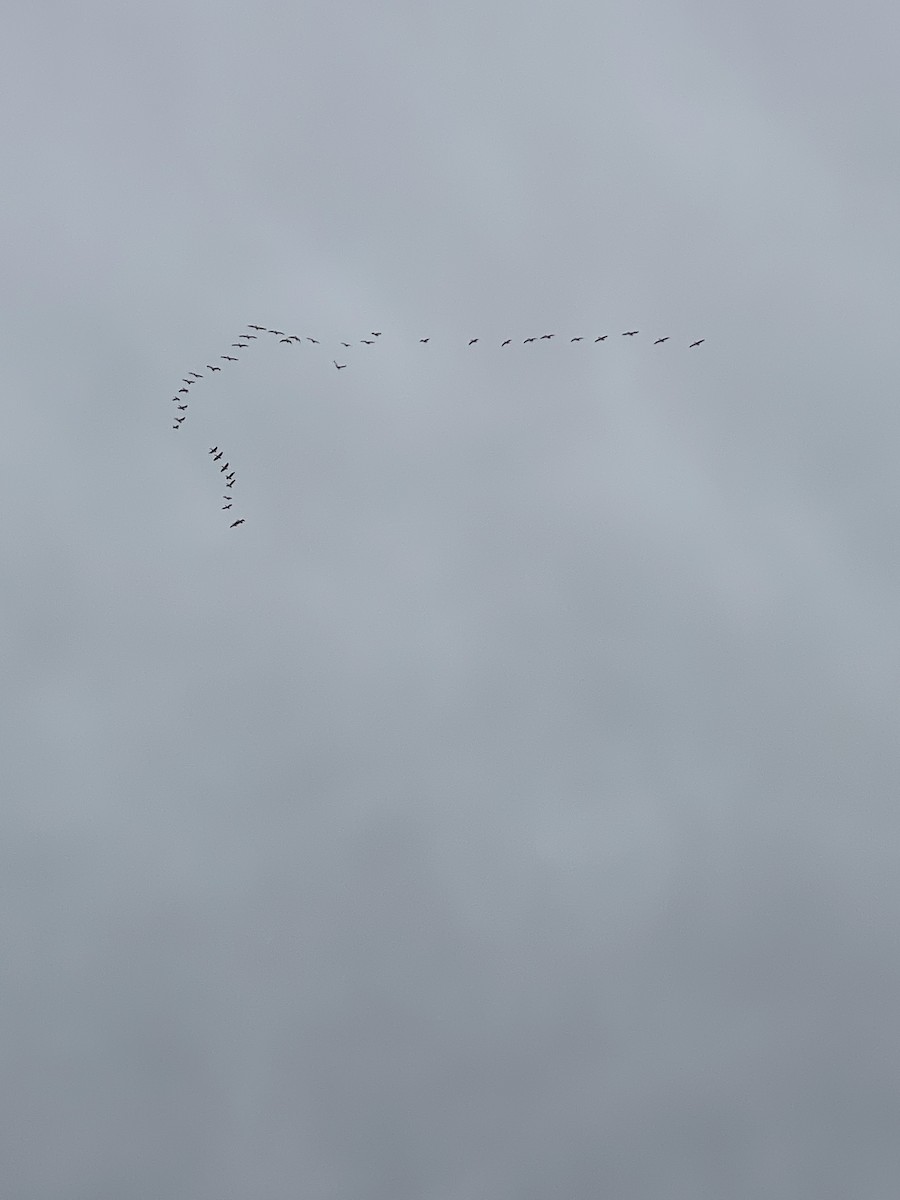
[[244, 340]]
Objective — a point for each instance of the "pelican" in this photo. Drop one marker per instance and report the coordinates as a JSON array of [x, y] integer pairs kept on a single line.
[[630, 332], [527, 340], [546, 336], [240, 521], [601, 339], [258, 328], [698, 343], [578, 339], [212, 368], [228, 357], [659, 341]]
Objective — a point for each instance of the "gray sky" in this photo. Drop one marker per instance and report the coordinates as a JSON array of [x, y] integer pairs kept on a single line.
[[508, 808]]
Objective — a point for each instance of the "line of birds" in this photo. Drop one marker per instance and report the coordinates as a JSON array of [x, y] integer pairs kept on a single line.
[[243, 343]]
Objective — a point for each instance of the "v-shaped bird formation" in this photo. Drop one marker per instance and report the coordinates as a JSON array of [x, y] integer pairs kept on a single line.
[[296, 340]]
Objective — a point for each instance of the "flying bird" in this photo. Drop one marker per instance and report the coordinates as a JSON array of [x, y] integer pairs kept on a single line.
[[187, 381], [367, 341], [340, 366], [240, 521], [218, 456], [346, 345], [228, 358], [659, 341], [506, 343], [183, 391], [313, 340], [178, 420], [225, 468], [546, 336], [213, 449], [195, 375], [277, 332], [601, 339], [578, 339], [376, 334], [472, 341], [698, 343], [250, 337], [224, 506], [630, 332], [288, 340], [239, 345], [527, 340], [230, 482], [423, 340], [212, 368], [182, 407], [258, 328]]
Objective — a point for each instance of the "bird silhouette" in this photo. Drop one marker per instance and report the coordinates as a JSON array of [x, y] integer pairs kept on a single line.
[[288, 340], [630, 332], [277, 332], [527, 340], [601, 339], [578, 339], [225, 468], [472, 341], [228, 357], [340, 366], [250, 337], [367, 341], [376, 333], [178, 420], [258, 328], [240, 521], [313, 340], [346, 345], [187, 381], [195, 375], [659, 341], [546, 336], [239, 345], [183, 391], [213, 449], [212, 368], [182, 407], [506, 343], [224, 506], [218, 456], [423, 340], [698, 343], [230, 483]]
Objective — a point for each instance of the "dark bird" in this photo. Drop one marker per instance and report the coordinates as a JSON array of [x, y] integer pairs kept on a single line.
[[340, 366], [182, 407], [313, 340], [346, 345], [212, 368], [183, 391], [250, 337], [213, 449], [659, 341], [225, 468], [601, 339], [545, 336], [506, 343], [224, 506], [195, 375], [424, 340], [240, 521], [218, 456], [176, 426], [277, 332], [187, 381], [374, 334], [258, 328], [288, 340], [178, 420], [230, 482], [699, 343], [578, 339], [239, 345], [230, 475], [527, 340], [367, 341], [472, 341], [228, 357], [630, 332]]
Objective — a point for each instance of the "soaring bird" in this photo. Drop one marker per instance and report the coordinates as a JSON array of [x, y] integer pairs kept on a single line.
[[231, 477], [424, 340], [277, 332], [258, 328], [506, 343], [659, 341], [313, 340], [213, 449], [601, 339], [230, 482], [187, 381], [240, 521], [546, 336], [693, 344], [346, 345], [195, 375], [472, 341], [225, 468], [249, 337], [527, 340], [288, 340], [224, 506], [578, 339], [376, 333], [239, 345], [630, 332], [182, 407], [218, 456], [228, 357], [178, 420], [212, 368], [367, 341], [340, 366]]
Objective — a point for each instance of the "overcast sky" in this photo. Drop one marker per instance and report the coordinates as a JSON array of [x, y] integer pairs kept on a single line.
[[508, 808]]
